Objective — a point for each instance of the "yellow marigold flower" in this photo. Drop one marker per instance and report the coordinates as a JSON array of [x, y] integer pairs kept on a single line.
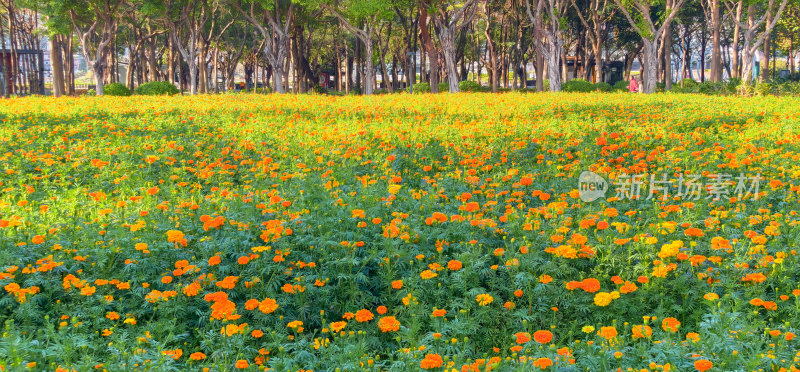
[[427, 274], [338, 326], [484, 299]]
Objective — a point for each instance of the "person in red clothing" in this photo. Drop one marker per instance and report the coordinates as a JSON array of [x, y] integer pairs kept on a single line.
[[633, 87]]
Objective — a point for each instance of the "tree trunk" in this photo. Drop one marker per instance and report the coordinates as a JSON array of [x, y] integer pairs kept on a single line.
[[702, 62], [539, 67], [716, 58], [369, 68], [649, 66], [553, 61], [667, 42], [97, 70], [735, 46], [69, 68], [56, 65], [447, 38], [202, 67], [765, 55], [430, 50], [129, 73]]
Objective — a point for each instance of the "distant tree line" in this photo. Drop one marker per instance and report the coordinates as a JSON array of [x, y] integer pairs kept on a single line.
[[295, 45]]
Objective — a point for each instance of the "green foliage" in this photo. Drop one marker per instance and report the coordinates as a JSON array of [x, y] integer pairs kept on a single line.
[[578, 85], [360, 182], [157, 88], [764, 89], [621, 85], [470, 86], [444, 87], [603, 87], [116, 89], [319, 89], [421, 88]]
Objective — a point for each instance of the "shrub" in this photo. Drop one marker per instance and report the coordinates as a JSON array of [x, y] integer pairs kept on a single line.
[[157, 88], [116, 89], [380, 91], [621, 85], [687, 83], [577, 85], [421, 88], [764, 89], [469, 86], [319, 89], [91, 92], [443, 87], [603, 87]]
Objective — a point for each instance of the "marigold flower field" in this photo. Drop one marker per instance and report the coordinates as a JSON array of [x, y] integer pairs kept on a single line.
[[399, 232]]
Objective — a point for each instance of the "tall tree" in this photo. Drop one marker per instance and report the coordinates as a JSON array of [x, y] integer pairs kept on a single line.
[[369, 14], [186, 21], [711, 8], [95, 23], [272, 19], [651, 33], [449, 18], [757, 12], [546, 19], [595, 15], [430, 48]]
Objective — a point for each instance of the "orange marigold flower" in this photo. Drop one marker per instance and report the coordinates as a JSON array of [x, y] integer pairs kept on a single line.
[[454, 265], [670, 324], [431, 361], [608, 332], [214, 260], [197, 356], [268, 305], [703, 365], [542, 363], [642, 331], [590, 285], [175, 236], [364, 315], [388, 324], [543, 337], [382, 309], [397, 284], [338, 326], [192, 289], [251, 304], [438, 313], [242, 364], [522, 337]]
